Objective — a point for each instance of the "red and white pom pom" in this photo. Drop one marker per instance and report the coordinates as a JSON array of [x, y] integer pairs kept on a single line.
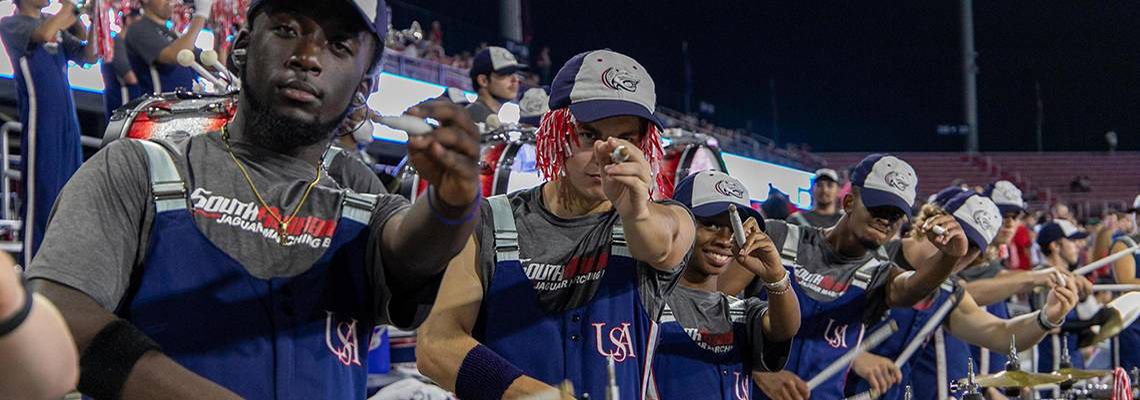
[[1121, 385], [555, 137]]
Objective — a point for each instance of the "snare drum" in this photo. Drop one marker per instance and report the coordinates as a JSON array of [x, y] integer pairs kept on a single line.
[[174, 117], [508, 167]]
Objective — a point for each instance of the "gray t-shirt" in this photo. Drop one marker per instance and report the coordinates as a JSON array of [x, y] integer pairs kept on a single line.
[[984, 271], [546, 241], [100, 228], [708, 316], [16, 31], [148, 38], [823, 274], [813, 218], [479, 111], [348, 170]]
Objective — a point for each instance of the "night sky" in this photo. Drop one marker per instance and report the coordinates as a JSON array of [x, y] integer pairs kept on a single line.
[[857, 76]]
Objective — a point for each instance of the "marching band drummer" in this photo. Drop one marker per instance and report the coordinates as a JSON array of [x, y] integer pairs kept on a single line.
[[711, 341], [570, 275], [230, 266], [1126, 271], [978, 217], [39, 46], [839, 282], [152, 48]]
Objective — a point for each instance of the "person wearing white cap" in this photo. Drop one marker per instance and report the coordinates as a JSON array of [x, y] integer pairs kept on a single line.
[[840, 282], [567, 277], [979, 218], [494, 76], [1058, 241], [825, 210], [706, 336], [534, 104]]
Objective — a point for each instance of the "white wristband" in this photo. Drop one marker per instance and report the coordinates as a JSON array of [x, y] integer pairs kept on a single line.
[[1045, 323], [778, 286]]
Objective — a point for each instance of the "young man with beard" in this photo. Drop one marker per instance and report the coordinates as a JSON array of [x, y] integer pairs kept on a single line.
[[494, 74], [40, 46], [840, 283], [152, 48], [943, 359], [231, 266], [825, 211], [570, 275], [710, 343], [1058, 241]]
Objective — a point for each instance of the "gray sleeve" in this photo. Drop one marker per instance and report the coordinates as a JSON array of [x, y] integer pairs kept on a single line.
[[98, 228], [351, 173], [72, 46], [765, 356], [146, 41], [655, 285], [404, 308], [16, 32], [121, 63], [777, 230]]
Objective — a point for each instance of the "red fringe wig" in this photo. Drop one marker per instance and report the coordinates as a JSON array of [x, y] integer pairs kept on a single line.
[[556, 133]]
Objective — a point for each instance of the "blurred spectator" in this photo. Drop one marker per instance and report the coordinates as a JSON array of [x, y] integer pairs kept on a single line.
[[1022, 244], [436, 35], [543, 64], [1080, 184]]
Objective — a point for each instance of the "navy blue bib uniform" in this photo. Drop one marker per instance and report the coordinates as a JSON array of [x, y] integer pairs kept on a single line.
[[829, 328], [301, 337], [575, 344], [910, 321], [50, 150], [693, 364]]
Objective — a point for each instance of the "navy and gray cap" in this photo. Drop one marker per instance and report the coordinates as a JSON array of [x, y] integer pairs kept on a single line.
[[1057, 230], [1007, 196], [601, 84], [373, 12], [709, 193], [977, 215], [495, 59], [885, 180]]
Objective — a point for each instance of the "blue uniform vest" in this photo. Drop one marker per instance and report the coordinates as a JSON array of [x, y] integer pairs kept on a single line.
[[49, 147], [1128, 341], [986, 361], [941, 361], [910, 321], [828, 329], [575, 344], [683, 370], [115, 92], [302, 337]]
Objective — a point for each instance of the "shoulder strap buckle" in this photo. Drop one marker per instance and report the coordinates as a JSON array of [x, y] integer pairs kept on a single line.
[[167, 186], [506, 234]]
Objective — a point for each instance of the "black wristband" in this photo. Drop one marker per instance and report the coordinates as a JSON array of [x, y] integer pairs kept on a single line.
[[14, 322], [108, 360]]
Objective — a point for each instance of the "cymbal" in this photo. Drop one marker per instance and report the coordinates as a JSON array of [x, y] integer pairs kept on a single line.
[[1016, 379], [1080, 374], [1122, 312]]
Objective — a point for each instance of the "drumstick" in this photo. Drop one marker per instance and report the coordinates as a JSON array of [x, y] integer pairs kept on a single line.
[[412, 125], [876, 337], [619, 155], [938, 230], [914, 344], [1111, 258], [737, 226], [1115, 288]]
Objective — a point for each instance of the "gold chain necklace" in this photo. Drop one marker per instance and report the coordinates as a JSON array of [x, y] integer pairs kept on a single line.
[[282, 224]]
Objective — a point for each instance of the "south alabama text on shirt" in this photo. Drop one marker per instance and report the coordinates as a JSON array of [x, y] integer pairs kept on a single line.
[[249, 216]]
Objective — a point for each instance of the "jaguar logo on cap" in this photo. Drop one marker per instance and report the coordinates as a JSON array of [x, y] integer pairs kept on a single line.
[[729, 188], [898, 180], [619, 79], [987, 221]]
